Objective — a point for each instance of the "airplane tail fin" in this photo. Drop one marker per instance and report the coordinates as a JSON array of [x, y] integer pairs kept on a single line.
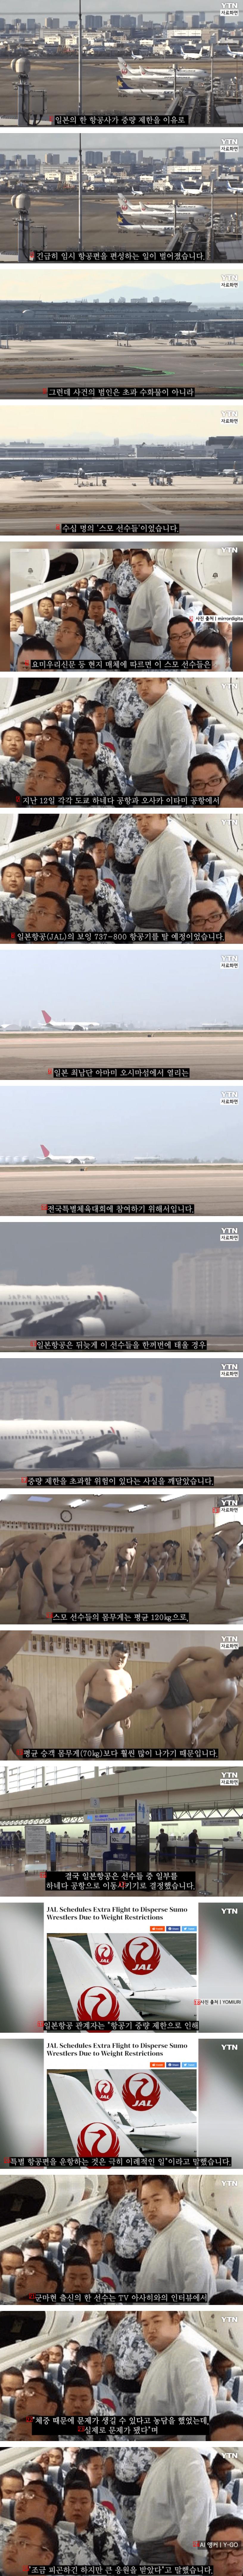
[[46, 1015], [45, 1149]]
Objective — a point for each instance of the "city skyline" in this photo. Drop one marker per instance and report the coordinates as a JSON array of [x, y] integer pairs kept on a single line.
[[177, 1266], [181, 1400], [155, 145], [158, 15]]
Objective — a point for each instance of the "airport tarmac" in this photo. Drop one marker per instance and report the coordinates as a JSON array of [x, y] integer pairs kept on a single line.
[[105, 231], [197, 1189], [101, 229], [58, 213], [59, 80], [183, 508], [202, 1056], [34, 366], [102, 100]]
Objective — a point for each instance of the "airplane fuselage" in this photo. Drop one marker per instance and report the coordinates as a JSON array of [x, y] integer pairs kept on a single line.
[[98, 1314], [85, 1447]]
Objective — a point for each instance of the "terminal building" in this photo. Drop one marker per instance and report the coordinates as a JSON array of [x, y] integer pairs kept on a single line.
[[143, 318], [154, 460]]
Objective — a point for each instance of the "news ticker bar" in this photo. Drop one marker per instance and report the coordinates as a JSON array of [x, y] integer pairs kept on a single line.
[[118, 258], [77, 393], [118, 1207], [96, 2425], [60, 1883], [116, 1484], [114, 805], [65, 1619], [116, 121], [26, 1753], [123, 528], [72, 2565], [67, 2027], [108, 1347], [64, 2164], [128, 2299]]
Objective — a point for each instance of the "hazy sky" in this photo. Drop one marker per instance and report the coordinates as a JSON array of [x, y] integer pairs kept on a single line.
[[181, 1400], [152, 144], [66, 145], [118, 1124], [67, 12], [200, 287], [91, 422], [149, 988], [124, 1251]]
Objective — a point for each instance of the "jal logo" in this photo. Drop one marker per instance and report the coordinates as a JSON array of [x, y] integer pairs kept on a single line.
[[99, 2145], [104, 2089], [97, 2005], [104, 1954], [141, 2092], [142, 1957]]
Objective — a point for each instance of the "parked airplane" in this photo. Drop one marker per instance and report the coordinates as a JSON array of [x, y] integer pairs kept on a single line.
[[136, 216], [146, 76]]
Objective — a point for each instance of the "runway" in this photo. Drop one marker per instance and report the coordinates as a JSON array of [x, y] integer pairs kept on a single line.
[[199, 1189], [200, 1055], [29, 505], [36, 366]]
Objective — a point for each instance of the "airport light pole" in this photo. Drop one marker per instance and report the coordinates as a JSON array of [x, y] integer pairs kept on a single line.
[[80, 244], [23, 212], [21, 67], [79, 59]]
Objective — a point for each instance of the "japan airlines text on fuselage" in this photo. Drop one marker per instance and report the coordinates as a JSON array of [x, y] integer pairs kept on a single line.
[[90, 1313]]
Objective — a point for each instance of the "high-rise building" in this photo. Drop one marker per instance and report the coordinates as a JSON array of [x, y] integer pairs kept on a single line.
[[203, 1404], [207, 1291]]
